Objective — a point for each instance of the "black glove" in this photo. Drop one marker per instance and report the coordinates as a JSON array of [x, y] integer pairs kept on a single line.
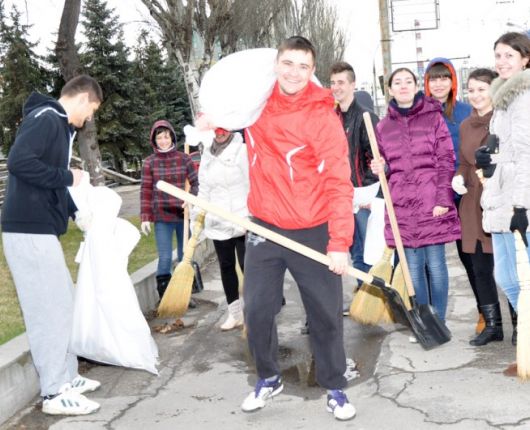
[[483, 161], [482, 157], [520, 223]]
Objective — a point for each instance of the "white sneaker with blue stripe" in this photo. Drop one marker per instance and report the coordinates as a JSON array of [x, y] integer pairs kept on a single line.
[[264, 390], [339, 405], [69, 402], [81, 385]]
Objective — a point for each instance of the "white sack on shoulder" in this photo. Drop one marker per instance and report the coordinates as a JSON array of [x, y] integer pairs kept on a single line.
[[108, 325], [235, 89]]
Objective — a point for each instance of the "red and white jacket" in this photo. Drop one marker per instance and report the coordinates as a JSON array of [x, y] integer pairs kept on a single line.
[[298, 165]]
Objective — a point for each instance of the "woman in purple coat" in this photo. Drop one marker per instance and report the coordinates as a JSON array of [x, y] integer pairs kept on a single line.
[[418, 158]]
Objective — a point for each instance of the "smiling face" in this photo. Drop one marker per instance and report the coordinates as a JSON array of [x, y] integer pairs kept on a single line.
[[508, 61], [440, 88], [294, 69], [163, 140], [342, 87], [479, 97], [403, 88]]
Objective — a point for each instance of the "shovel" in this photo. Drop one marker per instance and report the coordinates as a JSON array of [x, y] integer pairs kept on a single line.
[[400, 312], [427, 326]]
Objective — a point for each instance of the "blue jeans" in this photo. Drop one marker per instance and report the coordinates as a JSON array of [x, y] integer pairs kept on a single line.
[[435, 290], [359, 238], [505, 267], [164, 244]]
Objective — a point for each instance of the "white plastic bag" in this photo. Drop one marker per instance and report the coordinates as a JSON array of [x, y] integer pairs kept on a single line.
[[374, 244], [235, 89], [108, 324]]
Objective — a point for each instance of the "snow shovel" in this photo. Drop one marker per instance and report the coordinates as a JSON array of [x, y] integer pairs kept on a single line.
[[427, 326], [399, 310]]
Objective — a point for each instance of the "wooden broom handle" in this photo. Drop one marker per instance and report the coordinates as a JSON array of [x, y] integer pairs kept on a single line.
[[389, 206], [262, 231], [186, 235]]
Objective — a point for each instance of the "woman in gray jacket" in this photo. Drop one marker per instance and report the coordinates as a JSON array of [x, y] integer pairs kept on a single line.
[[506, 195]]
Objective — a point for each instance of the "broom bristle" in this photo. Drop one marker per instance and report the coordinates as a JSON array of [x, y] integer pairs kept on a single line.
[[523, 309], [368, 305], [398, 284], [176, 299]]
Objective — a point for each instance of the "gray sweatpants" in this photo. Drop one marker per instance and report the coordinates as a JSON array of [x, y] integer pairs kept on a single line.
[[321, 292], [45, 292]]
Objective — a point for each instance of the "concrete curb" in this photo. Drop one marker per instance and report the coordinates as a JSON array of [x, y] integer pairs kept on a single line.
[[19, 382]]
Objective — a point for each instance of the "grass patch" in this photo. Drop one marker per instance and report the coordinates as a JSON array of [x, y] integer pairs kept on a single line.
[[12, 324]]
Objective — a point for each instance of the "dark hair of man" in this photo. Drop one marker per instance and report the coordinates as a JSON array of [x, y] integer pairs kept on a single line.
[[82, 84], [483, 75], [297, 43], [342, 66], [401, 69], [518, 42]]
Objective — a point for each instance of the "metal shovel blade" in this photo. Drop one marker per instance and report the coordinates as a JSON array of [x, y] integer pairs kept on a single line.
[[427, 326], [423, 320]]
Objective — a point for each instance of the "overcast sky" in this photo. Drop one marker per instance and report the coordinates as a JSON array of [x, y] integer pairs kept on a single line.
[[466, 28]]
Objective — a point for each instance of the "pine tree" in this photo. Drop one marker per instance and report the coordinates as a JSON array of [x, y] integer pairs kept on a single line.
[[20, 73], [104, 56], [160, 89]]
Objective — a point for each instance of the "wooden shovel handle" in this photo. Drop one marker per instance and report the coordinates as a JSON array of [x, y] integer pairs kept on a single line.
[[262, 231], [389, 206]]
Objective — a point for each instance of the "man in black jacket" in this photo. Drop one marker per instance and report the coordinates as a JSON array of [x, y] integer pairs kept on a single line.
[[342, 78], [35, 213]]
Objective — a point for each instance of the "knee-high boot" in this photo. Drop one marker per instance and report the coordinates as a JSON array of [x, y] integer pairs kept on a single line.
[[493, 330], [514, 324]]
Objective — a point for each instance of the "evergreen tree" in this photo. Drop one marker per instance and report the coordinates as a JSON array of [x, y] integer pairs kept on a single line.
[[160, 89], [104, 57], [20, 73]]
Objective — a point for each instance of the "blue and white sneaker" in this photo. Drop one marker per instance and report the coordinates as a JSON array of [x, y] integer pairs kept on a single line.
[[264, 390], [82, 385], [339, 405]]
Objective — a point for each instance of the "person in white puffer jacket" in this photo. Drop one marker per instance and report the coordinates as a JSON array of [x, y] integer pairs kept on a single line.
[[223, 179]]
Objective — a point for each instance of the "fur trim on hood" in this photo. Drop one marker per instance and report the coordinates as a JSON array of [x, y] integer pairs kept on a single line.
[[504, 91]]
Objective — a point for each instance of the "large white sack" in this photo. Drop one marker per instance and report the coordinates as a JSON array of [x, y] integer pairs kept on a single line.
[[235, 89], [108, 325]]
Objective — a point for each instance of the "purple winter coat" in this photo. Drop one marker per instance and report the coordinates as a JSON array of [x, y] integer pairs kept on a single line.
[[419, 153]]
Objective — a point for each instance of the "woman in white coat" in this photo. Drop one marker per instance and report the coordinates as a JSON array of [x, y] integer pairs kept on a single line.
[[506, 198], [223, 181]]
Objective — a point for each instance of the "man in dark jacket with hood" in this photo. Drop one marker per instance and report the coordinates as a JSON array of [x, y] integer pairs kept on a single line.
[[34, 215], [351, 113]]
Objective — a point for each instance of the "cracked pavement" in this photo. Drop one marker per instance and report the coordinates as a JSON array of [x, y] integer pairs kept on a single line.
[[206, 373]]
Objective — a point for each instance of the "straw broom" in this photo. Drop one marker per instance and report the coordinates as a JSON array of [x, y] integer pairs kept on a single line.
[[523, 308], [401, 282], [368, 306], [176, 299]]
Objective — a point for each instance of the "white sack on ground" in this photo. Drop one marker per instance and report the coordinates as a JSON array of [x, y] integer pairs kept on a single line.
[[109, 326]]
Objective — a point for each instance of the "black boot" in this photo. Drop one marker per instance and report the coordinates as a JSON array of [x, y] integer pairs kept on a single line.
[[162, 281], [514, 324], [493, 330]]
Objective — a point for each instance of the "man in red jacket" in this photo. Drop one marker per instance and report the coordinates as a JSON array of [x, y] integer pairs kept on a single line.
[[299, 187]]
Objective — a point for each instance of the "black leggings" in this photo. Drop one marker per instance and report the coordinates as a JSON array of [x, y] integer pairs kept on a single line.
[[486, 289], [467, 262], [226, 254]]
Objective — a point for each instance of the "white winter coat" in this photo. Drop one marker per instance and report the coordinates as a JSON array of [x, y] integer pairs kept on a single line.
[[223, 181], [510, 184]]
